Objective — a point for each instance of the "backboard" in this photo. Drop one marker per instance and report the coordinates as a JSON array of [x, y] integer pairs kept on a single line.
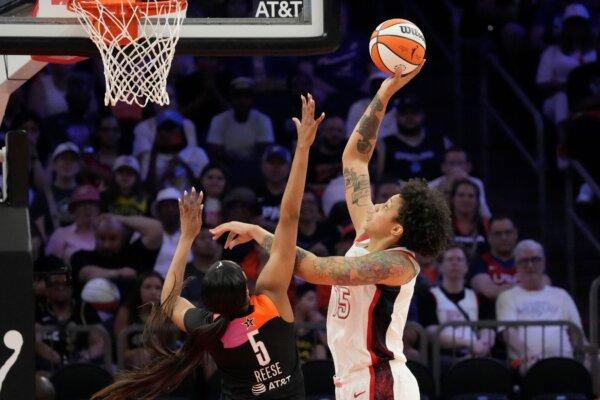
[[212, 27]]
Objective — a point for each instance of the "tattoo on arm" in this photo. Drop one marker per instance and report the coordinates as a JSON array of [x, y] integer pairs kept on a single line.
[[360, 186], [369, 269], [267, 243], [300, 256], [300, 253], [368, 125]]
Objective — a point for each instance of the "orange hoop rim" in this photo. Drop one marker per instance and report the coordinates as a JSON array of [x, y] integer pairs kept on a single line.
[[149, 8]]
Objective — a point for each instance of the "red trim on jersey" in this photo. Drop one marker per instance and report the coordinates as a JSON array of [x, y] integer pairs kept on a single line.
[[370, 342], [362, 238]]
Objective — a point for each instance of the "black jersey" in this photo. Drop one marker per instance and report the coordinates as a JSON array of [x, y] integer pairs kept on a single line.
[[257, 355]]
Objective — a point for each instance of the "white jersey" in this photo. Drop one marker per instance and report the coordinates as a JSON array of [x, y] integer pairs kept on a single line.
[[364, 329]]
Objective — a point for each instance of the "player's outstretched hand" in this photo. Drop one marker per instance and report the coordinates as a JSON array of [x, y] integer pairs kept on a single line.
[[238, 233], [190, 213], [397, 81], [307, 127]]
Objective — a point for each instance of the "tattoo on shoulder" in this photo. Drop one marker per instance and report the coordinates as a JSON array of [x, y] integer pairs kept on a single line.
[[368, 125], [372, 268], [360, 186]]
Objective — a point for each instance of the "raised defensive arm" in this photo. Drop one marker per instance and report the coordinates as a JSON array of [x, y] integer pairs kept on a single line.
[[277, 273]]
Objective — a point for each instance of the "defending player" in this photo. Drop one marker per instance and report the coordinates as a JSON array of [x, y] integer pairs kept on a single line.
[[251, 338], [374, 282]]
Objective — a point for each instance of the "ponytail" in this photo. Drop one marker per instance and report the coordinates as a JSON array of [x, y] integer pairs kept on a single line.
[[169, 368]]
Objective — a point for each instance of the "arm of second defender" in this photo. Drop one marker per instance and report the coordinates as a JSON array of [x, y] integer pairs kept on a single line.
[[391, 268]]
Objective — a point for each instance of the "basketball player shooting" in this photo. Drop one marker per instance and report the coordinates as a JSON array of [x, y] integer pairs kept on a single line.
[[373, 284]]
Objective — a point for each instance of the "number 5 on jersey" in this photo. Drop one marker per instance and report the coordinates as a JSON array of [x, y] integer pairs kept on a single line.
[[260, 350], [342, 294]]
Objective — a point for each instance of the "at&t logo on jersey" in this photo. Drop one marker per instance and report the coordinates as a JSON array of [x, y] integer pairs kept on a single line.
[[265, 378], [258, 389]]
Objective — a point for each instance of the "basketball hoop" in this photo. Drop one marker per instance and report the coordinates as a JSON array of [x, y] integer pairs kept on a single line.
[[137, 42]]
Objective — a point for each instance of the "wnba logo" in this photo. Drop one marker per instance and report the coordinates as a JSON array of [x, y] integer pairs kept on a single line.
[[14, 341], [258, 389]]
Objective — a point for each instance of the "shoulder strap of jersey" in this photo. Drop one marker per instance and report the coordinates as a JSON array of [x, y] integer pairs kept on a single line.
[[264, 309]]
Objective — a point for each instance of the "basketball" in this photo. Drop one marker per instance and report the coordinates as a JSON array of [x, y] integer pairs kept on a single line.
[[397, 42]]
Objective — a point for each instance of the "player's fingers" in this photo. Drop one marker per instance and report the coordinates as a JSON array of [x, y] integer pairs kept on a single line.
[[218, 231], [296, 122], [303, 105], [321, 118], [311, 107], [415, 71], [230, 237]]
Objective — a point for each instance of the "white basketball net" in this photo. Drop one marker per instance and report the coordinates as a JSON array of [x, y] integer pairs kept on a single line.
[[137, 43]]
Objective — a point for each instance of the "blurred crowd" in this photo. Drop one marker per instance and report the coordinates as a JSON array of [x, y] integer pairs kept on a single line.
[[105, 183]]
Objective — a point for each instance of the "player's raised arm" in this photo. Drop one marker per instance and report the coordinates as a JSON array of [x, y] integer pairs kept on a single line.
[[275, 277], [190, 213], [361, 145]]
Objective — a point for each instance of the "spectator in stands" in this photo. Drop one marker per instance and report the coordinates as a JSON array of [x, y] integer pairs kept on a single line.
[[135, 312], [309, 340], [98, 159], [326, 159], [56, 348], [299, 81], [582, 126], [275, 168], [241, 133], [412, 151], [213, 181], [50, 208], [347, 236], [201, 93], [333, 195], [314, 235], [470, 228], [430, 271], [344, 69], [494, 271], [359, 106], [531, 299], [574, 48], [452, 301], [115, 257], [205, 253], [145, 132], [171, 149], [31, 124], [240, 204], [85, 206], [44, 390], [77, 123], [386, 189], [47, 94], [125, 195], [166, 210], [456, 165]]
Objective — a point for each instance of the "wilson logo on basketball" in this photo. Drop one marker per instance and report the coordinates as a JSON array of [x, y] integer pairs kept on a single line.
[[413, 31]]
